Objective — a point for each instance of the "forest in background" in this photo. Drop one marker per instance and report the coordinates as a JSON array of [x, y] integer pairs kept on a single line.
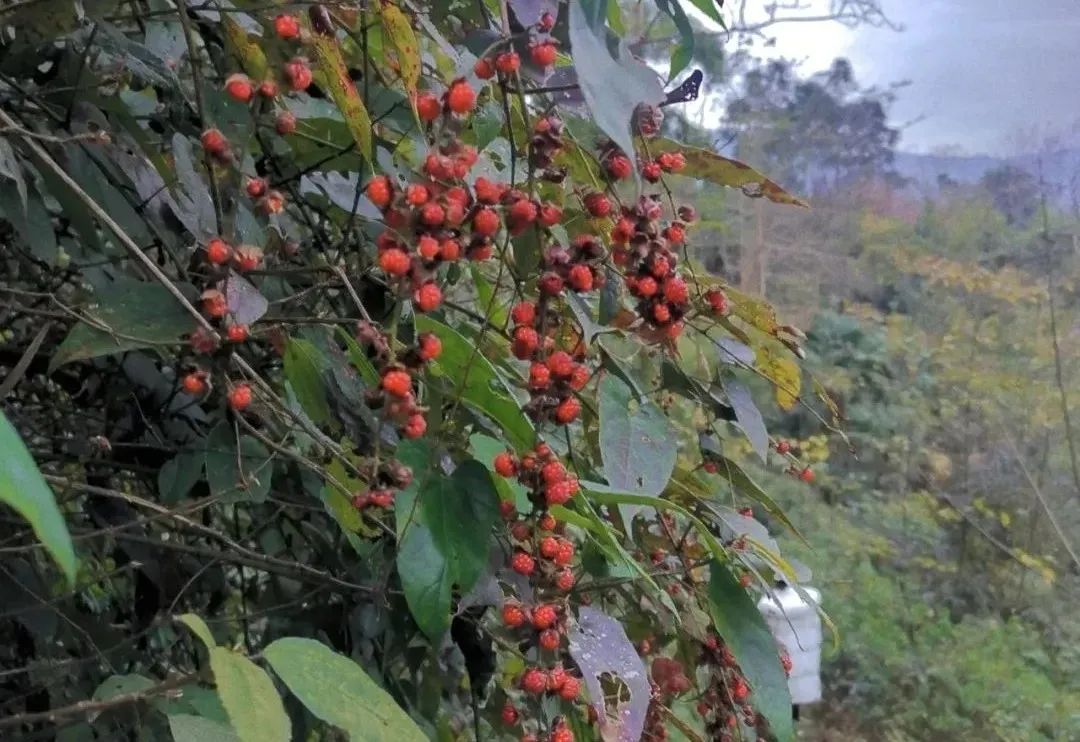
[[943, 322]]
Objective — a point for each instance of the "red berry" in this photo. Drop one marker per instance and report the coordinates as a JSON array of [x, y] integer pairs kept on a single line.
[[543, 55], [298, 74], [675, 234], [524, 211], [544, 617], [651, 172], [485, 222], [461, 97], [782, 447], [417, 194], [237, 333], [523, 313], [549, 640], [272, 203], [432, 215], [239, 87], [559, 493], [646, 286], [240, 397], [509, 714], [488, 192], [618, 167], [740, 690], [623, 231], [397, 383], [718, 301], [745, 579], [428, 297], [526, 340], [579, 378], [565, 553], [268, 89], [449, 250], [508, 63], [415, 426], [546, 22], [428, 247], [561, 364], [428, 107], [550, 215], [539, 376], [484, 69], [505, 465], [675, 290], [549, 547], [255, 187], [553, 471], [214, 142], [286, 26], [567, 411], [564, 580], [597, 204], [285, 123], [807, 475], [395, 262], [661, 314], [522, 563], [710, 467], [379, 191], [556, 678], [512, 615], [551, 284], [521, 531], [570, 689], [547, 522], [429, 347], [214, 303], [581, 278], [660, 267], [534, 681], [195, 383]]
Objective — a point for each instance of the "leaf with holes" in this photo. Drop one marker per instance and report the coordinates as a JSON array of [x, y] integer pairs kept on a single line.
[[638, 445], [743, 629], [342, 89], [599, 646], [704, 164], [336, 690]]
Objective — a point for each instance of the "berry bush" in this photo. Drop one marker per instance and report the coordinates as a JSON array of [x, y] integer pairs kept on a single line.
[[360, 378]]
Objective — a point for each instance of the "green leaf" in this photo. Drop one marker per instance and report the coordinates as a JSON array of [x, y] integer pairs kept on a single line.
[[444, 526], [199, 628], [338, 691], [743, 629], [638, 445], [742, 482], [248, 52], [303, 368], [234, 476], [249, 697], [477, 382], [612, 88], [704, 164], [190, 728], [137, 314], [180, 474], [683, 52], [24, 489], [359, 359], [118, 685], [709, 8], [31, 220]]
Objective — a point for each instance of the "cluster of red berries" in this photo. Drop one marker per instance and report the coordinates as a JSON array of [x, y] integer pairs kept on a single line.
[[647, 253], [395, 394], [547, 559], [542, 473], [554, 377], [545, 145], [726, 698], [665, 162], [391, 475], [559, 731]]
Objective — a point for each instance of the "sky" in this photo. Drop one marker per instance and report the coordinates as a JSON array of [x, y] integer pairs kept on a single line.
[[986, 76]]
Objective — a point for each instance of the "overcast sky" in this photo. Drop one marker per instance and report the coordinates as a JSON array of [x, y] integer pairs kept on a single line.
[[981, 71]]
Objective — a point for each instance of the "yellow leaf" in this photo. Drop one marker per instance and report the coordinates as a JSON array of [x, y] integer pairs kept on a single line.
[[783, 372], [704, 164], [752, 310], [400, 32], [330, 62], [250, 54]]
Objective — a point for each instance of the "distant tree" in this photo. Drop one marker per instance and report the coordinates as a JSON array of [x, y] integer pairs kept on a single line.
[[825, 129], [1014, 192]]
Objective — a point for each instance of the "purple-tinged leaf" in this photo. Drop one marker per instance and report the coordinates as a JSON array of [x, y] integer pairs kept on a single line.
[[599, 646], [734, 353], [245, 302], [748, 416], [528, 12]]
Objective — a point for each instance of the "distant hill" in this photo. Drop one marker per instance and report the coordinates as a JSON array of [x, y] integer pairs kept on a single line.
[[1060, 167]]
